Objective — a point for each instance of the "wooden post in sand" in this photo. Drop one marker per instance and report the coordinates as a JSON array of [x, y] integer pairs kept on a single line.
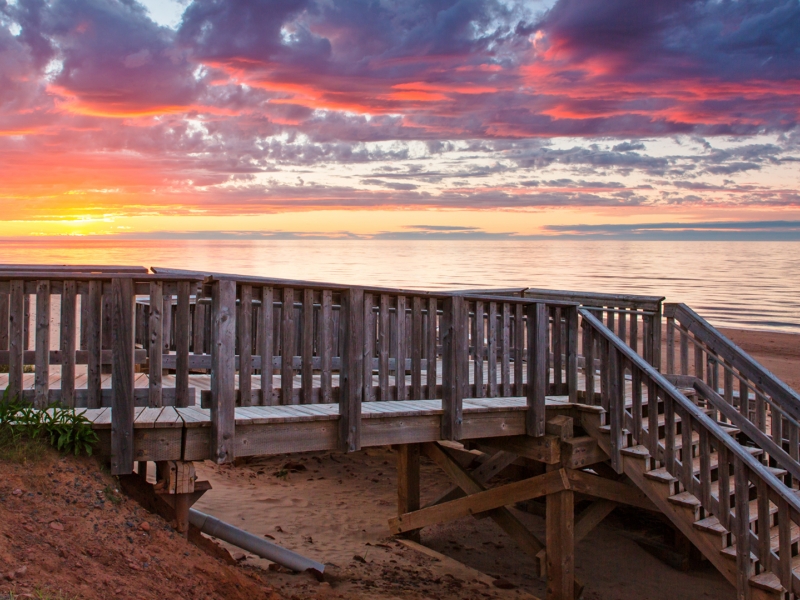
[[560, 545], [408, 483]]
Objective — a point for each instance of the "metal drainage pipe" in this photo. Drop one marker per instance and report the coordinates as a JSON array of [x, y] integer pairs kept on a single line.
[[252, 543]]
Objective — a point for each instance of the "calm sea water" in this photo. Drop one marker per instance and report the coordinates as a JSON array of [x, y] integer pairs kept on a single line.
[[753, 285]]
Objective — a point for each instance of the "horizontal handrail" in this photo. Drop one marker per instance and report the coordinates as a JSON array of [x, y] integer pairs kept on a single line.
[[696, 413], [785, 397], [73, 268], [754, 433], [92, 276]]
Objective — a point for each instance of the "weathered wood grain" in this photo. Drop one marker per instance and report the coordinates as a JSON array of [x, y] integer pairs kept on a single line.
[[182, 324], [155, 343], [42, 375], [122, 376], [537, 368], [67, 343], [223, 390], [94, 302], [350, 380]]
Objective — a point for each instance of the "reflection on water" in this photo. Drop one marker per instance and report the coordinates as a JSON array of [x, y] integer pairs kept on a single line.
[[739, 284]]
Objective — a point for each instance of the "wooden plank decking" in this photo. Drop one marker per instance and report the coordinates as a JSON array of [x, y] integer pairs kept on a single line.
[[171, 433]]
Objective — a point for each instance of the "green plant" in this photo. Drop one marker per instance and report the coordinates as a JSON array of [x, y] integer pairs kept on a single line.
[[61, 427]]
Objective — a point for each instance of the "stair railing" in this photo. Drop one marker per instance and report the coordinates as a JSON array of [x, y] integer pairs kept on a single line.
[[759, 396], [682, 421]]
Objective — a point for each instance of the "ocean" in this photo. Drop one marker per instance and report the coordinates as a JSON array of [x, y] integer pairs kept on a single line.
[[750, 285]]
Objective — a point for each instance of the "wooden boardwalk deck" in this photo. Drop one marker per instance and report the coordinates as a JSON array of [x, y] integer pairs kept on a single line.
[[169, 433]]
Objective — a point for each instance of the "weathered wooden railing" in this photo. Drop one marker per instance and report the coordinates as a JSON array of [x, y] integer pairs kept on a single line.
[[634, 319], [328, 343], [760, 397], [359, 344], [741, 480]]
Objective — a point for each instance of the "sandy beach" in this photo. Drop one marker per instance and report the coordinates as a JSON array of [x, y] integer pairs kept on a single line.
[[334, 508]]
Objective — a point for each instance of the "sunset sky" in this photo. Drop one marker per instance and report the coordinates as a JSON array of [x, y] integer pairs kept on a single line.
[[445, 119]]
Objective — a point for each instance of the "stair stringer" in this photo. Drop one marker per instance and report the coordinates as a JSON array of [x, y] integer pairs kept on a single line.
[[635, 467]]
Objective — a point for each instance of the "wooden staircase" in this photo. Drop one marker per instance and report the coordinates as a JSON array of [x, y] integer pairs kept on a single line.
[[686, 512], [699, 471]]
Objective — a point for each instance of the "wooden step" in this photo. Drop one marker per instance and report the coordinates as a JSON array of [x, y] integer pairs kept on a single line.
[[768, 582], [663, 475], [730, 551], [712, 524]]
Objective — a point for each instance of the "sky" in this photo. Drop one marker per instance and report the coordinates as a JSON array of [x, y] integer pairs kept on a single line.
[[447, 119]]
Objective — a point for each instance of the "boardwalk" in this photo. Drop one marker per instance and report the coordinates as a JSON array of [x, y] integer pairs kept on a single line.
[[173, 367]]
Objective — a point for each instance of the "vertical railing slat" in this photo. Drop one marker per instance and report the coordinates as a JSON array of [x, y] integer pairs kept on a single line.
[[400, 349], [122, 375], [383, 347], [431, 378], [744, 564], [558, 349], [287, 347], [67, 343], [94, 303], [519, 344], [307, 349], [416, 348], [42, 373], [266, 344], [616, 406], [369, 346], [670, 344], [491, 359], [572, 352], [223, 370], [326, 349], [505, 351], [182, 323], [588, 362], [155, 344], [479, 333]]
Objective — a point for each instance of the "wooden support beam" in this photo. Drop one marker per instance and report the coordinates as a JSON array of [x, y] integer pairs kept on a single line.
[[67, 343], [591, 517], [527, 541], [182, 319], [546, 448], [488, 469], [581, 452], [223, 370], [560, 529], [408, 483], [608, 489], [481, 501], [561, 426]]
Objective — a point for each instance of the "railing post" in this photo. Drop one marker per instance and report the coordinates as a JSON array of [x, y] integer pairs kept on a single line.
[[122, 375], [16, 338], [455, 365], [537, 368], [182, 319], [42, 376], [572, 353], [223, 369], [94, 343], [352, 370], [655, 338], [155, 348], [670, 345], [616, 408], [68, 296]]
